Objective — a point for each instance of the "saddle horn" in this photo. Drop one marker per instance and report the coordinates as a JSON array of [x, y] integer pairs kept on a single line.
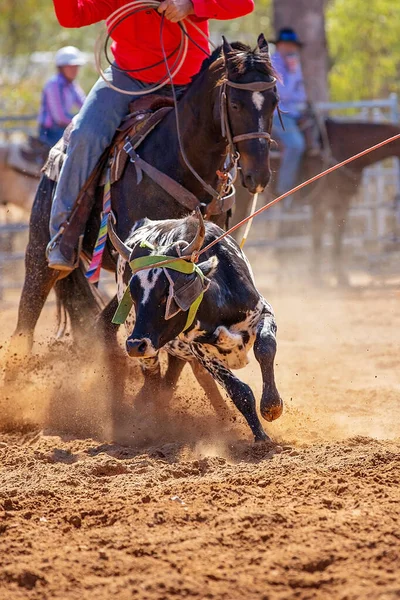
[[198, 239], [122, 249]]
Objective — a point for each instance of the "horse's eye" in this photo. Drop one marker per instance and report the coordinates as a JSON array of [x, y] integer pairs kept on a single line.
[[235, 106]]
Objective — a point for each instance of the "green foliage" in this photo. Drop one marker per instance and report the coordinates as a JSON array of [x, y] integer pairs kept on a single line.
[[28, 26], [364, 45], [247, 28]]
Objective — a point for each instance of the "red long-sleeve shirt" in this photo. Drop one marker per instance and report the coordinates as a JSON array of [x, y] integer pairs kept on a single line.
[[136, 40]]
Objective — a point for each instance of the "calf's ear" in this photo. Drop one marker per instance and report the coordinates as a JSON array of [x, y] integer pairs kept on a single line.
[[208, 267]]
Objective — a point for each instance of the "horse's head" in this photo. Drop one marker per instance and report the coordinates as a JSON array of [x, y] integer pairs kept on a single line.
[[248, 98]]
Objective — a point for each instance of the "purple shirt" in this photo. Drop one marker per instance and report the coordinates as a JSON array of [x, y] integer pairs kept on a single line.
[[61, 100], [292, 95]]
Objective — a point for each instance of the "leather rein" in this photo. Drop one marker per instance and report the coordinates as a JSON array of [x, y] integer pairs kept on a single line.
[[224, 198]]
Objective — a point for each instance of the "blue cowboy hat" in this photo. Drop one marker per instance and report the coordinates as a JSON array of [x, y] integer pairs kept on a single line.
[[287, 34]]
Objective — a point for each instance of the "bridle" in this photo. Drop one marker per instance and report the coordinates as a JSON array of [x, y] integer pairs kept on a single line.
[[255, 86], [228, 175], [226, 129]]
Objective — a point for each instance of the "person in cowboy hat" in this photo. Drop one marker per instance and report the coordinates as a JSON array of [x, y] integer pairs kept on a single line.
[[62, 97], [135, 45], [292, 102]]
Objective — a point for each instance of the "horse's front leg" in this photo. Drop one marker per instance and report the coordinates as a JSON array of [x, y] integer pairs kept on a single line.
[[39, 280], [239, 392], [115, 361], [264, 350]]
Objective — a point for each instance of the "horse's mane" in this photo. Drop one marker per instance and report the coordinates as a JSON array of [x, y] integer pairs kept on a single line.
[[244, 58]]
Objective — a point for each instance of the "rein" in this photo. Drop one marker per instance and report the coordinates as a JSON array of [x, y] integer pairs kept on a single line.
[[223, 197], [226, 190]]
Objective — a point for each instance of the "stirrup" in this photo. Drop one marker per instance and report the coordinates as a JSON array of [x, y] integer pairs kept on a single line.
[[53, 242]]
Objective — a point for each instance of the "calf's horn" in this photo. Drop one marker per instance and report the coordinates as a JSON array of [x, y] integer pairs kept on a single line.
[[198, 240], [122, 249]]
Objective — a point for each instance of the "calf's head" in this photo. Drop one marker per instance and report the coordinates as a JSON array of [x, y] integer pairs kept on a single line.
[[163, 296]]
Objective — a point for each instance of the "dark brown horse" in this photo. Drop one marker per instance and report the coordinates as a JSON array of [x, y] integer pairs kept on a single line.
[[335, 191], [206, 147]]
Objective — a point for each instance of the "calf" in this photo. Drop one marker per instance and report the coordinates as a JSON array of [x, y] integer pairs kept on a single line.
[[162, 309]]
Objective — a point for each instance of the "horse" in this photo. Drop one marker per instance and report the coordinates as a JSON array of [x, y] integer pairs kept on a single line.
[[246, 78], [16, 187], [335, 191]]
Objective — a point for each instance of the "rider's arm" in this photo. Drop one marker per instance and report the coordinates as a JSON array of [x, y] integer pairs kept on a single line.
[[78, 13], [222, 9]]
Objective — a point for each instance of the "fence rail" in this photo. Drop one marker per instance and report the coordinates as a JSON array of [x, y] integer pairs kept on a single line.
[[380, 182]]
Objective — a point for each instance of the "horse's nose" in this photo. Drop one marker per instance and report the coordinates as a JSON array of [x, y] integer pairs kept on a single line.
[[136, 348], [254, 183]]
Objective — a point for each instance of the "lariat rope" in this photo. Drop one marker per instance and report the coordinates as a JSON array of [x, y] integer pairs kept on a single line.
[[129, 9], [195, 256]]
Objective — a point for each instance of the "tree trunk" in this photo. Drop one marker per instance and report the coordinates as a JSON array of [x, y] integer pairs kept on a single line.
[[306, 17]]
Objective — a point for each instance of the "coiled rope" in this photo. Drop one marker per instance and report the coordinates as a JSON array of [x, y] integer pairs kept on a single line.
[[132, 8]]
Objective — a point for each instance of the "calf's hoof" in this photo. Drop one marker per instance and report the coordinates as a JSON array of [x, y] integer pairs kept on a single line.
[[272, 410], [262, 437]]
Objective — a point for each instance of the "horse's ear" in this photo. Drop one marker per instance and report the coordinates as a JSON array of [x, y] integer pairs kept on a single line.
[[226, 47], [262, 43]]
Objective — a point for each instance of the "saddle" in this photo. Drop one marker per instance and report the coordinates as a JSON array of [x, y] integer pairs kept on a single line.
[[145, 114], [28, 158]]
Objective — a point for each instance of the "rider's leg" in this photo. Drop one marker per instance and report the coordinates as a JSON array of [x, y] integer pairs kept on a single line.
[[293, 149], [94, 128]]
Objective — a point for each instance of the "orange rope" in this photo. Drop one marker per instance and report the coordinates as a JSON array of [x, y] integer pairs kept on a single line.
[[195, 256], [295, 189]]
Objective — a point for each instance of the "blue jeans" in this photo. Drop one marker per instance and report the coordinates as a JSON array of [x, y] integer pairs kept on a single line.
[[93, 131], [50, 135], [293, 149]]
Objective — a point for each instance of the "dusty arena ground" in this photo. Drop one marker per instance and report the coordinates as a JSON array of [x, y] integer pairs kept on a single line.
[[177, 504]]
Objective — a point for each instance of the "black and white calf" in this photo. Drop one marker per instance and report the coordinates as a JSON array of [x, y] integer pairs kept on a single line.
[[231, 319]]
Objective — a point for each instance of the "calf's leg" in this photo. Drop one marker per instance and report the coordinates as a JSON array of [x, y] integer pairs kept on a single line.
[[239, 392], [264, 351], [210, 388]]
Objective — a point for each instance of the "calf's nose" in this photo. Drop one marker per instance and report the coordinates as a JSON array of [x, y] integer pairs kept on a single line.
[[136, 348]]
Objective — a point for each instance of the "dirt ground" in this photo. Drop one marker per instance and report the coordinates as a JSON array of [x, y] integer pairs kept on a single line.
[[178, 504]]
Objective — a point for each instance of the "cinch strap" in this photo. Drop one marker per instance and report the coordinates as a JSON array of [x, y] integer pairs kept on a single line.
[[182, 266], [93, 272]]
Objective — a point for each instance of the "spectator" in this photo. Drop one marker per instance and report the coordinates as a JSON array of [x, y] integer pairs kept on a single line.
[[293, 103], [62, 98]]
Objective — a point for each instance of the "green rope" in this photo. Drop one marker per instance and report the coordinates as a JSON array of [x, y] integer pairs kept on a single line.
[[182, 266]]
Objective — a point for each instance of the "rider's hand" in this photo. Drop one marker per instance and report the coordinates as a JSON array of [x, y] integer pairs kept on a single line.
[[176, 10]]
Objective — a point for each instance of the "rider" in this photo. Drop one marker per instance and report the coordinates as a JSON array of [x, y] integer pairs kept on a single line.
[[135, 46], [293, 102], [61, 96]]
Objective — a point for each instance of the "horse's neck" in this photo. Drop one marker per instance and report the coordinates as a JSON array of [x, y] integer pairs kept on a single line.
[[201, 140], [351, 138]]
